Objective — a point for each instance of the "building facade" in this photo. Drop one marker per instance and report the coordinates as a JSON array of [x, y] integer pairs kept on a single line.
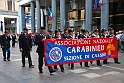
[[76, 14], [8, 15]]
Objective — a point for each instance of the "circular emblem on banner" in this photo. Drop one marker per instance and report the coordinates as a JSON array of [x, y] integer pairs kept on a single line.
[[55, 54]]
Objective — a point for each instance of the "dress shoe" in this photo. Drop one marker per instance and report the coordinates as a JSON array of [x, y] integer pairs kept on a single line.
[[23, 65], [105, 63], [99, 65], [72, 68], [51, 72], [118, 62], [87, 66], [8, 59], [40, 71], [4, 59], [31, 67], [63, 71]]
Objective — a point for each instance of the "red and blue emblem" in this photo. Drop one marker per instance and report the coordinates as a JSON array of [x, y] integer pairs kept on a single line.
[[55, 54]]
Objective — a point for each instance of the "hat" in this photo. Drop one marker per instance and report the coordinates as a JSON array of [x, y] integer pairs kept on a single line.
[[103, 30], [59, 30], [111, 29], [86, 30], [65, 29], [96, 30], [25, 29], [56, 31], [70, 31], [42, 28], [83, 30], [6, 31], [120, 31], [50, 31]]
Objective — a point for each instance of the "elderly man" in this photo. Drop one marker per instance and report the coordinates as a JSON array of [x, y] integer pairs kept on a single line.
[[5, 45]]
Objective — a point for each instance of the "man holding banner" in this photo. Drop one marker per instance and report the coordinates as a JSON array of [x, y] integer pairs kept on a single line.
[[58, 36], [81, 36], [96, 35], [40, 38], [104, 35], [63, 51], [111, 35], [71, 36]]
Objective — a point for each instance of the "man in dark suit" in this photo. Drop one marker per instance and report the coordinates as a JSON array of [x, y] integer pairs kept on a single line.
[[40, 49], [50, 34], [13, 40], [112, 35], [58, 36], [104, 35], [5, 45], [96, 35], [71, 36], [82, 36], [25, 46], [65, 34]]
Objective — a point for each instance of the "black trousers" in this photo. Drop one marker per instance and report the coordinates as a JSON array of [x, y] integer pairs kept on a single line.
[[26, 54], [72, 65], [115, 60], [61, 67], [85, 63], [105, 61], [40, 61], [13, 44], [98, 62]]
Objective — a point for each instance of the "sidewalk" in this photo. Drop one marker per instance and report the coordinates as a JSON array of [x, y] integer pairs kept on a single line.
[[12, 72]]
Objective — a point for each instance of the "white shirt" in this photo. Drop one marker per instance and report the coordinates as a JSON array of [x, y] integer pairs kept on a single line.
[[97, 36], [118, 36]]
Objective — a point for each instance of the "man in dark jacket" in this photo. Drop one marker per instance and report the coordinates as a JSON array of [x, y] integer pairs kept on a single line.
[[82, 36], [112, 35], [25, 46], [13, 40], [5, 45], [40, 50], [65, 34], [71, 36]]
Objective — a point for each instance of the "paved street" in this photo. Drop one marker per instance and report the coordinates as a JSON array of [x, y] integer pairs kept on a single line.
[[12, 72]]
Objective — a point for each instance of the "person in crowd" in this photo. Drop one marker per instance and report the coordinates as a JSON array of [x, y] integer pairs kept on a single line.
[[65, 34], [33, 38], [77, 34], [71, 36], [40, 49], [25, 45], [112, 35], [122, 40], [50, 34], [58, 36], [5, 45], [0, 39], [104, 35], [96, 35], [118, 36], [81, 36], [13, 40]]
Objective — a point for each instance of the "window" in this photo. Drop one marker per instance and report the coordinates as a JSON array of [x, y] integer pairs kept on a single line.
[[9, 5]]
